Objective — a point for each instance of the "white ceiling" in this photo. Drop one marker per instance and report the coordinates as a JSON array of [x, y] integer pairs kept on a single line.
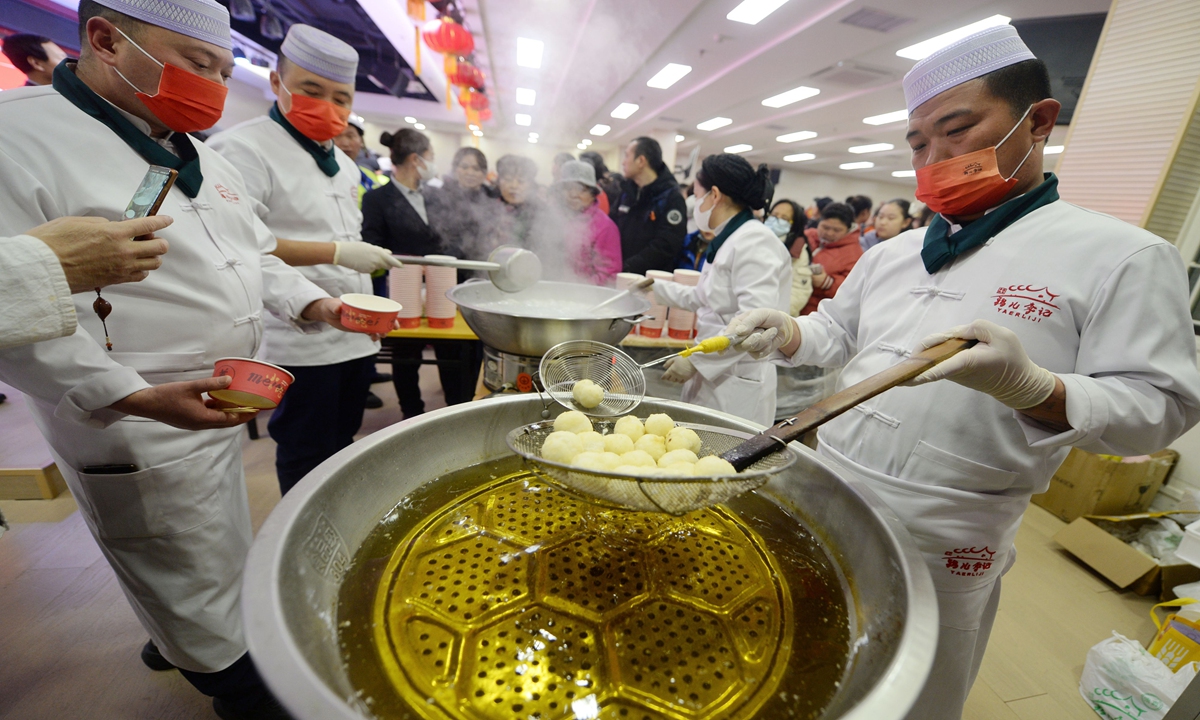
[[600, 53]]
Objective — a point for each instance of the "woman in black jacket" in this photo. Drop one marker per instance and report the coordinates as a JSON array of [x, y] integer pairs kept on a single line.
[[395, 217]]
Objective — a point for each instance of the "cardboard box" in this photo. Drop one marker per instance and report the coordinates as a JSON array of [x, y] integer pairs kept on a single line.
[[1120, 564], [1089, 484]]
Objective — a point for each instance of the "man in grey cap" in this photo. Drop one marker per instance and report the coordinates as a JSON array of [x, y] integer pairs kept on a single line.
[[306, 191], [167, 507]]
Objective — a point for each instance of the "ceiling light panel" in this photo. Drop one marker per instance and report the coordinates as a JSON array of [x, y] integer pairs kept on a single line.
[[904, 173], [872, 148], [924, 49], [624, 110], [791, 96], [1053, 149], [887, 118], [752, 12], [523, 120], [526, 96], [529, 52], [739, 148], [856, 165], [599, 129], [713, 124], [796, 136], [668, 76], [798, 157]]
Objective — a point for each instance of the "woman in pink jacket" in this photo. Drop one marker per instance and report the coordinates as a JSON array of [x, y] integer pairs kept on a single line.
[[598, 257]]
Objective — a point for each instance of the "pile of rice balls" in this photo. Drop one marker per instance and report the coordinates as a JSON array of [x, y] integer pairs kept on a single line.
[[654, 448]]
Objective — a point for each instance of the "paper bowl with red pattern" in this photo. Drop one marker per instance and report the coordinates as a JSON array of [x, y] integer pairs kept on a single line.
[[369, 313], [255, 384]]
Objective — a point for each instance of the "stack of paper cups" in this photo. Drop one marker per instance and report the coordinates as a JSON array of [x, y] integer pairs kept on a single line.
[[658, 313], [439, 308], [404, 286], [681, 324]]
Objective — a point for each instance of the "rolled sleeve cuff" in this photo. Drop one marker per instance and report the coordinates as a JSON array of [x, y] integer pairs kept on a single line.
[[293, 307], [88, 402], [1087, 413], [61, 298]]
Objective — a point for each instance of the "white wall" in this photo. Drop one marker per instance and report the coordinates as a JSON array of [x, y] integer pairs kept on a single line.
[[802, 187]]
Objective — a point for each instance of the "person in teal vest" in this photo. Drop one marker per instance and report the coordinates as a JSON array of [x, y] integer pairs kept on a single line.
[[350, 141]]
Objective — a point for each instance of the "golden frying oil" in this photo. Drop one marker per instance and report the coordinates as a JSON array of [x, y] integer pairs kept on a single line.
[[489, 593]]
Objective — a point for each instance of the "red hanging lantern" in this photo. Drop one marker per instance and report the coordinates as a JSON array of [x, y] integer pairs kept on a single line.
[[464, 74], [447, 36], [432, 34], [485, 115], [470, 98]]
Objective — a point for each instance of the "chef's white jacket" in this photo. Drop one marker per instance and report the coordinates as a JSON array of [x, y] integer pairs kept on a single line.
[[177, 529], [35, 299], [297, 201], [752, 269]]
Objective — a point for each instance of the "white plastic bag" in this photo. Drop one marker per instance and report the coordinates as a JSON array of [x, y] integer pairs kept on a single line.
[[1121, 680]]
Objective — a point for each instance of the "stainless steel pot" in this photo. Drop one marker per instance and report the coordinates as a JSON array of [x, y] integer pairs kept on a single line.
[[289, 599], [509, 322]]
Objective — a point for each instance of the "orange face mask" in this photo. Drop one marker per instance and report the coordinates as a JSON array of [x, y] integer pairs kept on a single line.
[[317, 120], [968, 184], [185, 102]]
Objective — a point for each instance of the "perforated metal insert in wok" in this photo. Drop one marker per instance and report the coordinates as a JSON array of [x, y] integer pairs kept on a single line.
[[674, 495], [521, 601]]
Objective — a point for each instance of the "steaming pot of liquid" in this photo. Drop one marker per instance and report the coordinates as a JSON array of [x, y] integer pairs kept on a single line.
[[335, 578]]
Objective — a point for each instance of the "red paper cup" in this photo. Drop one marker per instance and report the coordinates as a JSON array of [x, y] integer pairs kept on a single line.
[[255, 383], [369, 313]]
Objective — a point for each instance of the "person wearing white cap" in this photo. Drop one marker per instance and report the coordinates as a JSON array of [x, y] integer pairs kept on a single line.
[[167, 507], [1082, 321], [306, 191]]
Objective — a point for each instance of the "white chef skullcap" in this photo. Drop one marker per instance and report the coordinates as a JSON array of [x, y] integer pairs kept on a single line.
[[319, 52], [205, 20], [972, 57]]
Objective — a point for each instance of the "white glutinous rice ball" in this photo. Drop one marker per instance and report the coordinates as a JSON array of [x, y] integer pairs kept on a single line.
[[675, 456], [631, 426], [654, 445], [617, 443], [572, 421], [714, 465], [638, 457], [679, 469], [587, 393], [683, 439], [659, 424], [592, 441], [598, 461], [561, 446], [632, 470]]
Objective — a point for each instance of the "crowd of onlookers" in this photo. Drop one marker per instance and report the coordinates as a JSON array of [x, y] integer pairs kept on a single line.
[[591, 222]]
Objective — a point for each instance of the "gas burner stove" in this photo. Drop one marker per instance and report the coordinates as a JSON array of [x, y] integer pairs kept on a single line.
[[505, 372]]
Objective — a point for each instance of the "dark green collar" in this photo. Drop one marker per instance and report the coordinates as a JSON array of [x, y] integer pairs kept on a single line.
[[326, 160], [190, 179], [941, 247], [734, 223]]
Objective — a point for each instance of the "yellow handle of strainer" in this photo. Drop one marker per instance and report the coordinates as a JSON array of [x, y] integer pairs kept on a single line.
[[711, 345]]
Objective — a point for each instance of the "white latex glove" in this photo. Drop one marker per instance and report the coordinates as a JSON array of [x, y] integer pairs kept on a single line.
[[678, 370], [997, 366], [761, 332], [363, 257]]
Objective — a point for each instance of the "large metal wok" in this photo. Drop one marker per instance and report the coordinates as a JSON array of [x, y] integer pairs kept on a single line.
[[293, 573], [536, 319]]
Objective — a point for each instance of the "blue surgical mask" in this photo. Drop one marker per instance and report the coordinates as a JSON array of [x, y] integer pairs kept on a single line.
[[778, 225]]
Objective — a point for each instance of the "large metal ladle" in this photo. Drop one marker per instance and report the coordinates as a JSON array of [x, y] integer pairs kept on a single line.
[[511, 269]]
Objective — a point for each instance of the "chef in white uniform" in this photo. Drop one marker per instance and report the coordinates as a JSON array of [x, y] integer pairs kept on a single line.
[[1085, 339], [168, 508], [306, 191], [748, 267]]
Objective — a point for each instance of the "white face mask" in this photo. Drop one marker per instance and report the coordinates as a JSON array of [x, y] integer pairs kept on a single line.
[[426, 169], [701, 216], [778, 225]]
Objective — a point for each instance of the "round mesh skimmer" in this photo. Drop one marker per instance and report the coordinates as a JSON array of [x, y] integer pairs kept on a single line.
[[674, 495], [616, 373]]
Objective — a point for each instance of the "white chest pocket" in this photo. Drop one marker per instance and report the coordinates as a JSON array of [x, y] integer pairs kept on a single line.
[[928, 465]]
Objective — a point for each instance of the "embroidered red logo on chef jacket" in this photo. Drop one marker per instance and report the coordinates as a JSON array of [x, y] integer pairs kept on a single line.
[[969, 562], [229, 195], [1025, 301]]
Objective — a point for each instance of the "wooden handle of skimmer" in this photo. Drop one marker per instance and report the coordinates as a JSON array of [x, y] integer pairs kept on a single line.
[[773, 438]]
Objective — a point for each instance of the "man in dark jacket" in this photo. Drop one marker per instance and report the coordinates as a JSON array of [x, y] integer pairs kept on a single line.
[[651, 213]]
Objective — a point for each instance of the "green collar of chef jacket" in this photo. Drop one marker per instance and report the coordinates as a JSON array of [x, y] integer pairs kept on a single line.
[[187, 163], [734, 223], [941, 247], [325, 158]]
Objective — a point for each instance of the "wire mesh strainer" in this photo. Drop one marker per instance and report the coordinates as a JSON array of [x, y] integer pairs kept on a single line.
[[674, 495], [616, 373]]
